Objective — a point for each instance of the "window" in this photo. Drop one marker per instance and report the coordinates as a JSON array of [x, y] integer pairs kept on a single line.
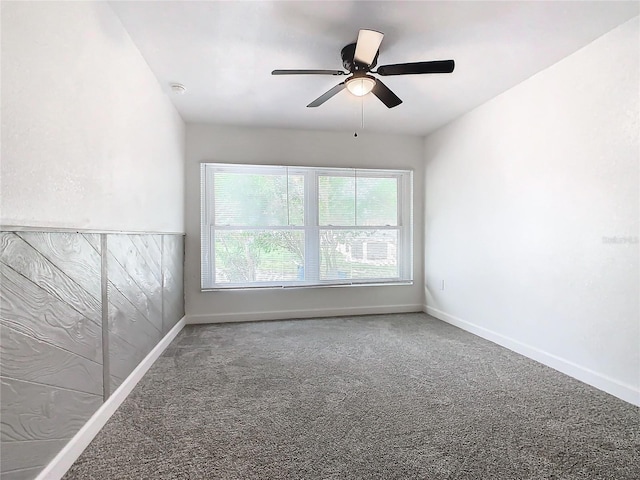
[[276, 226]]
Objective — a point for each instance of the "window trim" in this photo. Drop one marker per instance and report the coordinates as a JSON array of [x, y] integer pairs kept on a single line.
[[311, 225]]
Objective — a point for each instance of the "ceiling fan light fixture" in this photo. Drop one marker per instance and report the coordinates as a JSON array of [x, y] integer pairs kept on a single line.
[[360, 86]]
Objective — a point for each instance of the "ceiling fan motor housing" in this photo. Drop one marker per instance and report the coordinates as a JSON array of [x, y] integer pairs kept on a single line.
[[350, 64]]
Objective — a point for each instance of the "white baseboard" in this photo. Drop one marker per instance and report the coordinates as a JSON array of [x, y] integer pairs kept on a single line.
[[590, 377], [309, 313], [72, 450]]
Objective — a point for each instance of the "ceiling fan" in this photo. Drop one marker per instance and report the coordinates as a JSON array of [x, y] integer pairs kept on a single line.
[[359, 59]]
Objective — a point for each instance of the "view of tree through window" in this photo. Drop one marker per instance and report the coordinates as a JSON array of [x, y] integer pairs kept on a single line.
[[258, 230]]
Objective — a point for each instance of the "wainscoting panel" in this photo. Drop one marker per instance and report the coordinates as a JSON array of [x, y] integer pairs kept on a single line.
[[34, 266], [26, 358], [93, 239], [134, 302], [31, 411], [147, 246], [172, 280], [28, 454], [126, 322], [72, 254], [36, 413], [123, 358], [130, 275], [121, 281], [54, 329], [25, 305]]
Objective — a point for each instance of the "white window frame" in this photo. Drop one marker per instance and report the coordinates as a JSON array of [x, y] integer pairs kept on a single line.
[[311, 226]]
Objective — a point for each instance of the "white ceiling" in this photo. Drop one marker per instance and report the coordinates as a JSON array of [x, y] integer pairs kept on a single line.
[[223, 52]]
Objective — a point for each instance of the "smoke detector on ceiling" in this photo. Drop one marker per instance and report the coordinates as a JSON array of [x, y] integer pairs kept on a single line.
[[178, 88]]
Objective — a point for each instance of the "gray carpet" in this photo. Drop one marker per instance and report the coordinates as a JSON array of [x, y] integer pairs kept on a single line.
[[373, 397]]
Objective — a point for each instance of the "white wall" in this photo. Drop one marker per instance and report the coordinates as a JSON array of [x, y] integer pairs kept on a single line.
[[521, 196], [89, 139], [296, 147]]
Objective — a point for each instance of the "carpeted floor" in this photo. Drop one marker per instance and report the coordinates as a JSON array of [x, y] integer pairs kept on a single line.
[[375, 397]]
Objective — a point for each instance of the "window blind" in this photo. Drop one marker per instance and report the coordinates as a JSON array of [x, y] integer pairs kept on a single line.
[[291, 226]]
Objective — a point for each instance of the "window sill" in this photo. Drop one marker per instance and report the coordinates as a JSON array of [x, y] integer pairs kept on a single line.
[[306, 287]]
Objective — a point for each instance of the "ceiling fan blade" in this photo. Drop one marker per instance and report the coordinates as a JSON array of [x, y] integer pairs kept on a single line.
[[367, 46], [437, 66], [308, 72], [387, 97], [327, 95]]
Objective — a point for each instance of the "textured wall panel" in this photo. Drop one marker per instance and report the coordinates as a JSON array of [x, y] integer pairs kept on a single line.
[[124, 357], [24, 259], [121, 280], [148, 249], [27, 474], [173, 280], [132, 335], [29, 454], [93, 239], [173, 304], [115, 382], [173, 252], [72, 254], [26, 358], [157, 239], [128, 323], [29, 309], [125, 251], [127, 255], [52, 336], [40, 412]]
